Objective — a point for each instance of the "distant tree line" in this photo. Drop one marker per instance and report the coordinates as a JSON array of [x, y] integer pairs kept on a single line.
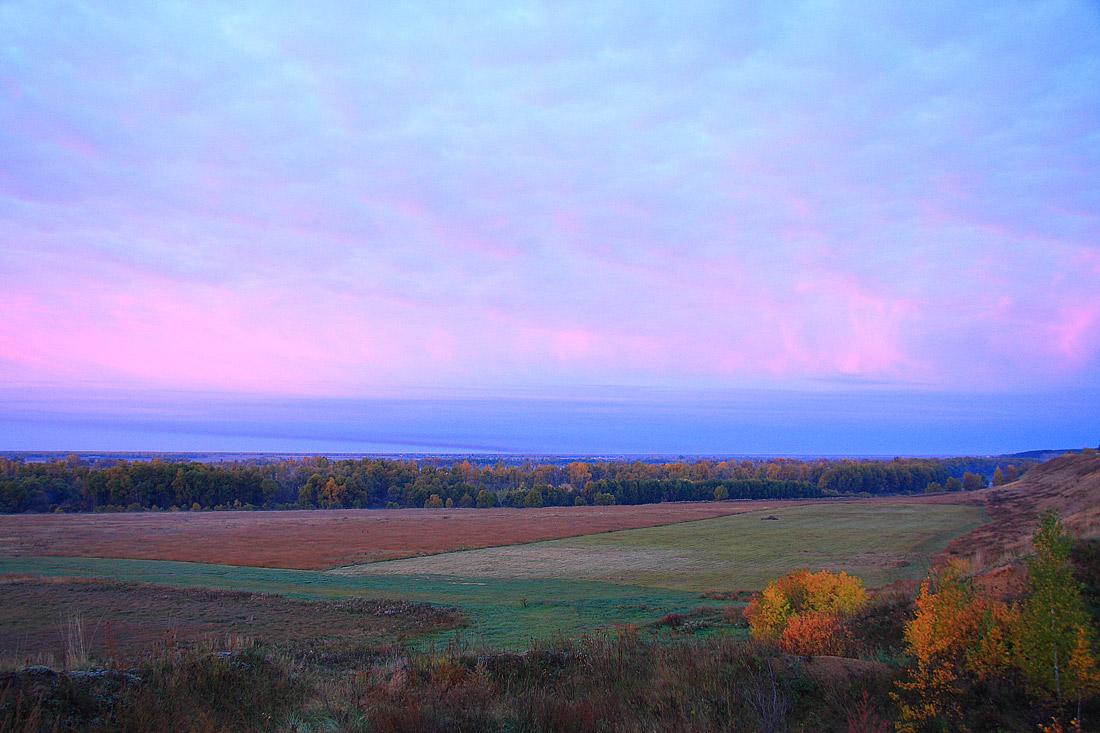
[[74, 485]]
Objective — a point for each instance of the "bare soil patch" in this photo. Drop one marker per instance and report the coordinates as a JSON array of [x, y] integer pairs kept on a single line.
[[124, 620], [321, 539]]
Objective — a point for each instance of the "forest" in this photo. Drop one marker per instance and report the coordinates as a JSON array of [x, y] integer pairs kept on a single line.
[[77, 485]]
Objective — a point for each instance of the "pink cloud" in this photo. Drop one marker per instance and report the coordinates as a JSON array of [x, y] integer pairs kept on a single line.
[[1075, 334]]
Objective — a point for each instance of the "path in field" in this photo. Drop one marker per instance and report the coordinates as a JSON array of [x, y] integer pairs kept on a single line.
[[879, 542]]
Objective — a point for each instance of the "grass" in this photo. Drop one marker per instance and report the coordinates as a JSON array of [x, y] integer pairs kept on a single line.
[[78, 620], [879, 542], [504, 613], [514, 594], [600, 683]]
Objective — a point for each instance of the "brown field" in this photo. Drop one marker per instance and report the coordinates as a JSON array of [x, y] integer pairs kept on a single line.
[[322, 539], [124, 620]]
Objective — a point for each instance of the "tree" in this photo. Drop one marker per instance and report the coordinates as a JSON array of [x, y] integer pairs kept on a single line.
[[1054, 620], [486, 499], [721, 493], [533, 500], [332, 494], [306, 495], [434, 502], [957, 636], [973, 481], [1084, 673], [954, 484]]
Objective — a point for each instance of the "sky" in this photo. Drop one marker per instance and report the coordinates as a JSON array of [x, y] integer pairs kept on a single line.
[[806, 227]]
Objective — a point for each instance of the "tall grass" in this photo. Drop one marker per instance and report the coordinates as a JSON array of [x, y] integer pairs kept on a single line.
[[616, 681], [75, 640]]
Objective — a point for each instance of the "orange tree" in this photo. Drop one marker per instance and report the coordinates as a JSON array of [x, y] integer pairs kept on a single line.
[[802, 610], [957, 636]]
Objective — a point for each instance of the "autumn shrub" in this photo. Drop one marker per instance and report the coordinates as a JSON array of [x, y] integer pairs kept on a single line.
[[814, 633], [973, 654], [802, 611]]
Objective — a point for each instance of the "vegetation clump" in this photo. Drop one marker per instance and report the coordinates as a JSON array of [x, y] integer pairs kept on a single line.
[[979, 658], [803, 611]]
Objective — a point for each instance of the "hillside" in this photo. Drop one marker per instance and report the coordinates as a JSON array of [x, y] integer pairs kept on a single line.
[[1069, 484]]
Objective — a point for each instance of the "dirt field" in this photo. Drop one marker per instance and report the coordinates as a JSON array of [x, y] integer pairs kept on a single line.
[[121, 620], [316, 539]]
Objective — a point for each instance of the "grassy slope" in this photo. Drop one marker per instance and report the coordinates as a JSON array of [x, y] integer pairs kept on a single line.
[[1068, 485]]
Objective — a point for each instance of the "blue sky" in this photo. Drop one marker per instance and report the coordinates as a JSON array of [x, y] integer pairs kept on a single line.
[[550, 226]]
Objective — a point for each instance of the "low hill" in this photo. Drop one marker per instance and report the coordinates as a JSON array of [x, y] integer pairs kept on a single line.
[[1069, 485]]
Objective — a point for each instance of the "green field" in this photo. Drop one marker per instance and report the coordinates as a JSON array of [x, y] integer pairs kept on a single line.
[[513, 594], [503, 613], [878, 542]]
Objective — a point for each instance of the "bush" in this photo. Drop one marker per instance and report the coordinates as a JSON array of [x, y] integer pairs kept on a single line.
[[802, 610]]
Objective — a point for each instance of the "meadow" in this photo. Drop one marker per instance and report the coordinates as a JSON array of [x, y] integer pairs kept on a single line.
[[513, 594], [879, 542]]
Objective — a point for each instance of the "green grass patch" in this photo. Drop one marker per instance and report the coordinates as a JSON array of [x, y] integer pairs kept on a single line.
[[505, 613], [879, 542]]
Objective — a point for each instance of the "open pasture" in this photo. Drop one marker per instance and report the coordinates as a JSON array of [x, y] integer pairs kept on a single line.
[[575, 585], [878, 541], [505, 613], [318, 539]]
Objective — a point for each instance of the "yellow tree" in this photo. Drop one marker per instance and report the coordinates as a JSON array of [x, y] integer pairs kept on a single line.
[[1084, 672], [957, 635]]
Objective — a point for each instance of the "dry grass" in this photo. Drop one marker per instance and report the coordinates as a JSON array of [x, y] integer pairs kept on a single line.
[[78, 619], [316, 539], [1069, 485]]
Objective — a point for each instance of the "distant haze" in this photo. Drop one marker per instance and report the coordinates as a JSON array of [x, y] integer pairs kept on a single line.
[[857, 228]]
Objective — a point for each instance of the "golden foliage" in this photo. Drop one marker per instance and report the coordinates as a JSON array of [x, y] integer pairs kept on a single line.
[[957, 634], [802, 610]]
